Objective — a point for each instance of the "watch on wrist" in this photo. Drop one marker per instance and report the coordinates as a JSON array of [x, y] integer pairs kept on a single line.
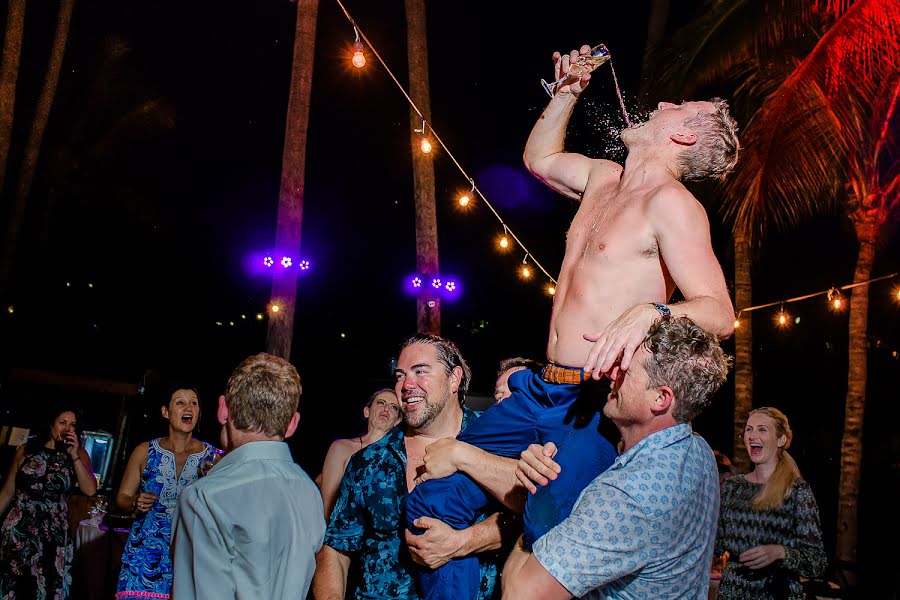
[[663, 309]]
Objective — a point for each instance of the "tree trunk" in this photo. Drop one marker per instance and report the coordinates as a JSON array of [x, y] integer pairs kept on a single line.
[[33, 147], [428, 309], [851, 442], [290, 197], [743, 350], [9, 75]]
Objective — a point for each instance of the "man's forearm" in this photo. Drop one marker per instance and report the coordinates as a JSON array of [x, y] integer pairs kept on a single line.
[[330, 579], [549, 133], [715, 315], [489, 534], [496, 474]]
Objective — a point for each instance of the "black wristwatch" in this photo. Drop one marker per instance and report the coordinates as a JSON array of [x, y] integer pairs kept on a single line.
[[663, 309]]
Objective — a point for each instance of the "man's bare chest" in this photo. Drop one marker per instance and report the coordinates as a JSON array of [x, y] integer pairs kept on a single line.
[[616, 228]]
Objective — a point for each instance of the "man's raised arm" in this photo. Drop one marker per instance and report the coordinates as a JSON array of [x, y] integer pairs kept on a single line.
[[565, 172]]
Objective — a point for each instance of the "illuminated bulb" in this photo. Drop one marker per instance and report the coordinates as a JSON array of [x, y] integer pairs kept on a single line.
[[837, 303], [359, 59], [259, 316], [463, 200], [275, 308], [231, 323], [425, 145], [898, 294], [10, 309], [737, 323], [782, 319], [551, 290], [504, 242], [416, 282], [268, 261], [243, 316], [526, 272], [286, 261], [436, 283]]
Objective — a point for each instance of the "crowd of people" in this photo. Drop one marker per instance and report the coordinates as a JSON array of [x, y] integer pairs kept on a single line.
[[584, 479]]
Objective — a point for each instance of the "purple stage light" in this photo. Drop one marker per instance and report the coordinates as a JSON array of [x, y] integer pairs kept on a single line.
[[268, 261], [304, 265], [450, 286], [416, 282], [436, 283], [286, 261]]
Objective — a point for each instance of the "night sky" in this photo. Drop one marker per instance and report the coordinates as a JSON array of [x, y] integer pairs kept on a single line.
[[159, 177]]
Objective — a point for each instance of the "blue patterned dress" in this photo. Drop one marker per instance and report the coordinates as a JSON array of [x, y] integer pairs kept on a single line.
[[146, 562]]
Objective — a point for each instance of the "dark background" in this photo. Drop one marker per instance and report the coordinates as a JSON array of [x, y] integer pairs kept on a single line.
[[159, 178]]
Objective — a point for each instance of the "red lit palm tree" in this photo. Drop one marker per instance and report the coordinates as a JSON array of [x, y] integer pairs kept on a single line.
[[825, 133]]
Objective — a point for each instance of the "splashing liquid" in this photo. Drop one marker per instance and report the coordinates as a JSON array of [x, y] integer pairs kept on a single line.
[[619, 94]]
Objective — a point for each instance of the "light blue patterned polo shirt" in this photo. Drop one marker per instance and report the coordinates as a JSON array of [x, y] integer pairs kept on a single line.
[[645, 528]]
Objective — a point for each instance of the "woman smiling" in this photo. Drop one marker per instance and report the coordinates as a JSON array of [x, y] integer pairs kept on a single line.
[[768, 521]]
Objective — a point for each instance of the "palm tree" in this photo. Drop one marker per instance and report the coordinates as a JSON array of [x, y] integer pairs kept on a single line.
[[829, 119], [36, 135], [428, 310], [293, 171], [9, 75]]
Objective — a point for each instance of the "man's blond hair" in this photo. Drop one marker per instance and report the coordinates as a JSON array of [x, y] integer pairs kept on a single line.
[[262, 395], [715, 153]]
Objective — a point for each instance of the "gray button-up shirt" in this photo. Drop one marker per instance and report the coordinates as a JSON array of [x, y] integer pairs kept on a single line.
[[248, 530]]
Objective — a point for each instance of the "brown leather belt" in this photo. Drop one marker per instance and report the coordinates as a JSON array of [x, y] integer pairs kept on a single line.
[[554, 373]]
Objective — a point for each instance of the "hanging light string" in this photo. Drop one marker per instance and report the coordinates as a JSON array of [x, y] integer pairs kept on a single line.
[[440, 142], [814, 294]]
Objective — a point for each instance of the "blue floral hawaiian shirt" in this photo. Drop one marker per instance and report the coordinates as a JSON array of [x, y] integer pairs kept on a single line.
[[368, 522]]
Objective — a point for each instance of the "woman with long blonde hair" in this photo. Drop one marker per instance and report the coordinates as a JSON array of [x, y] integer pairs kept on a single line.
[[768, 520]]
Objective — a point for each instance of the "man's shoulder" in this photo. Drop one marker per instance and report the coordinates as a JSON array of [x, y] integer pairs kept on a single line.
[[377, 452], [672, 203]]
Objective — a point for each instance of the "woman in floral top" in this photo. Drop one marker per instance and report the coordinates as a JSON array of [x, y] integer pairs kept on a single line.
[[156, 474], [768, 520], [35, 546]]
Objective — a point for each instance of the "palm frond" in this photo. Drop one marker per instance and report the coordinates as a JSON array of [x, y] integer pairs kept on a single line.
[[730, 33], [800, 140]]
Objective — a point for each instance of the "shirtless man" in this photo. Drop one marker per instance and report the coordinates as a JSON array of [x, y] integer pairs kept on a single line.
[[638, 234], [382, 413]]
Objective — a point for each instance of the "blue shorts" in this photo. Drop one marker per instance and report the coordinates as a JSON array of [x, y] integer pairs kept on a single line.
[[537, 412]]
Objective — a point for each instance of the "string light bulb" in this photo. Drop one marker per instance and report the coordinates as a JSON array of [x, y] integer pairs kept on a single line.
[[737, 321], [425, 146], [526, 270], [782, 319], [466, 197], [551, 290], [503, 240], [359, 59], [835, 299], [275, 308]]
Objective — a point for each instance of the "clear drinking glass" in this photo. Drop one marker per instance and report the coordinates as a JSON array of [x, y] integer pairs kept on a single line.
[[585, 63], [210, 462]]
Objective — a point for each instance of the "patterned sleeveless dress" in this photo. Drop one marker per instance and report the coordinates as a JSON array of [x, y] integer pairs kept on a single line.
[[146, 562], [35, 547]]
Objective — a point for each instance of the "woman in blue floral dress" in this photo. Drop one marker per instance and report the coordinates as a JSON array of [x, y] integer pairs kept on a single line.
[[35, 546], [156, 474]]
